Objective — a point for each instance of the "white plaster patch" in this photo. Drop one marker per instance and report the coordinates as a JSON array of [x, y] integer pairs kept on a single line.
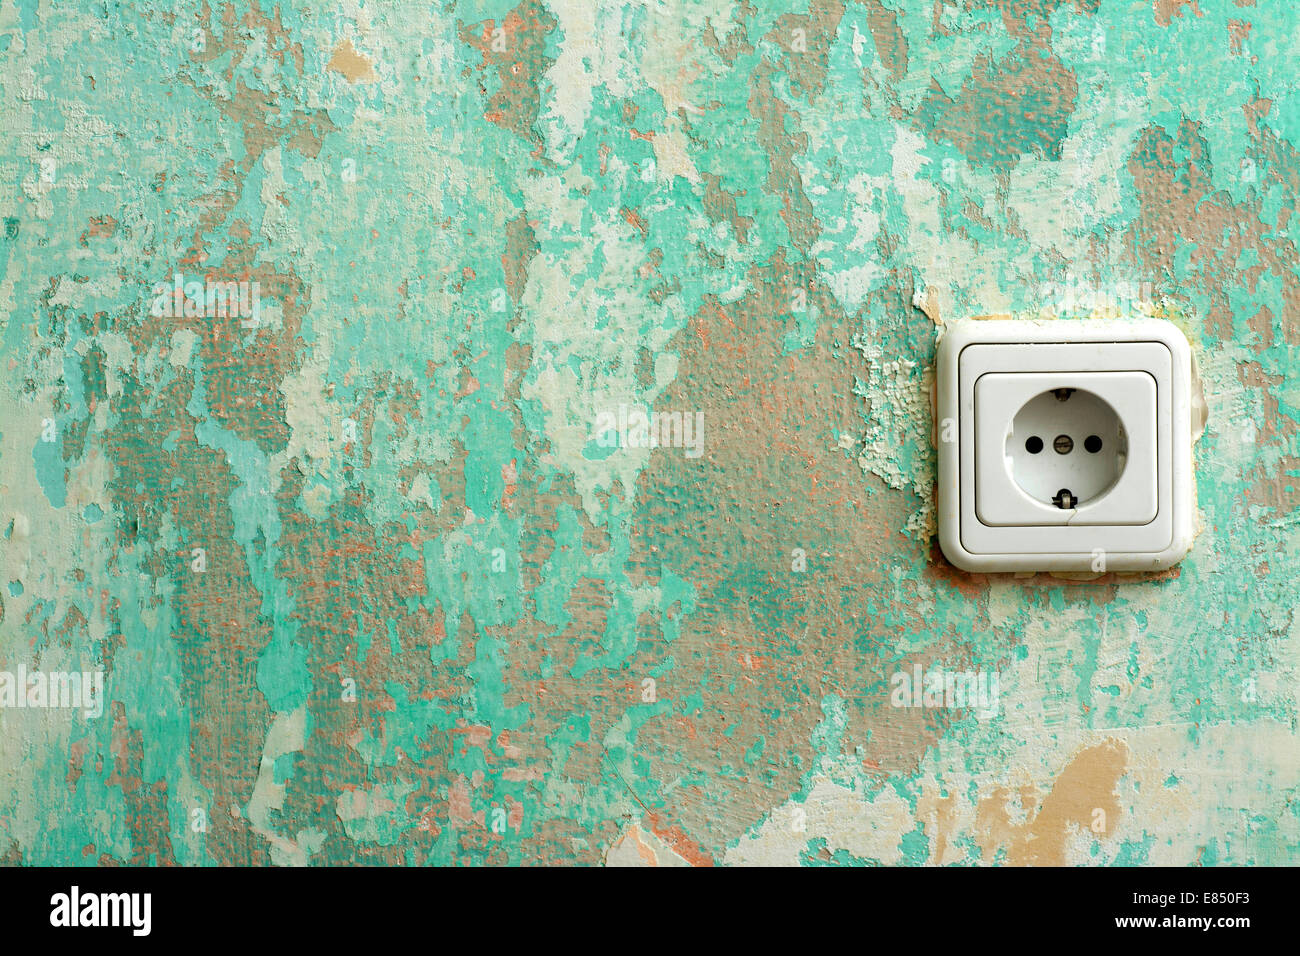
[[869, 828]]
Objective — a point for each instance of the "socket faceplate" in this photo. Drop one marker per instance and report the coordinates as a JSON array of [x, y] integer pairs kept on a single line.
[[990, 371]]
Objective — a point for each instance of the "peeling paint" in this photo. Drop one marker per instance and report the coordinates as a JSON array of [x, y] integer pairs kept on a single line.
[[366, 585]]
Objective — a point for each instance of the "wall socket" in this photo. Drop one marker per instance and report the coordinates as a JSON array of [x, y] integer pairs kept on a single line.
[[1065, 445]]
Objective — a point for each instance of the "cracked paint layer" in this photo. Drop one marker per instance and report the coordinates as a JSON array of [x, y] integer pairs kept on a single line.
[[368, 584]]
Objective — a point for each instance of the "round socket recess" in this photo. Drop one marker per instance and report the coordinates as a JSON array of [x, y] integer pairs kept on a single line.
[[1066, 447]]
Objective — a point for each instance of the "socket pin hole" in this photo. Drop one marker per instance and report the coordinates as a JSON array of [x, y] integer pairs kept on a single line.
[[1092, 444], [1033, 444]]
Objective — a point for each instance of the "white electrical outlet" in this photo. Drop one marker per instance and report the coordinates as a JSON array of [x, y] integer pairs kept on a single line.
[[1064, 445]]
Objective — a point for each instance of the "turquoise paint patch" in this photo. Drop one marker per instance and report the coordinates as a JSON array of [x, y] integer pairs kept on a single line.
[[596, 450], [915, 846], [48, 458], [27, 15], [283, 676]]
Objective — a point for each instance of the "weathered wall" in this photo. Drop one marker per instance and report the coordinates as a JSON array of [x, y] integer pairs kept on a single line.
[[476, 228]]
